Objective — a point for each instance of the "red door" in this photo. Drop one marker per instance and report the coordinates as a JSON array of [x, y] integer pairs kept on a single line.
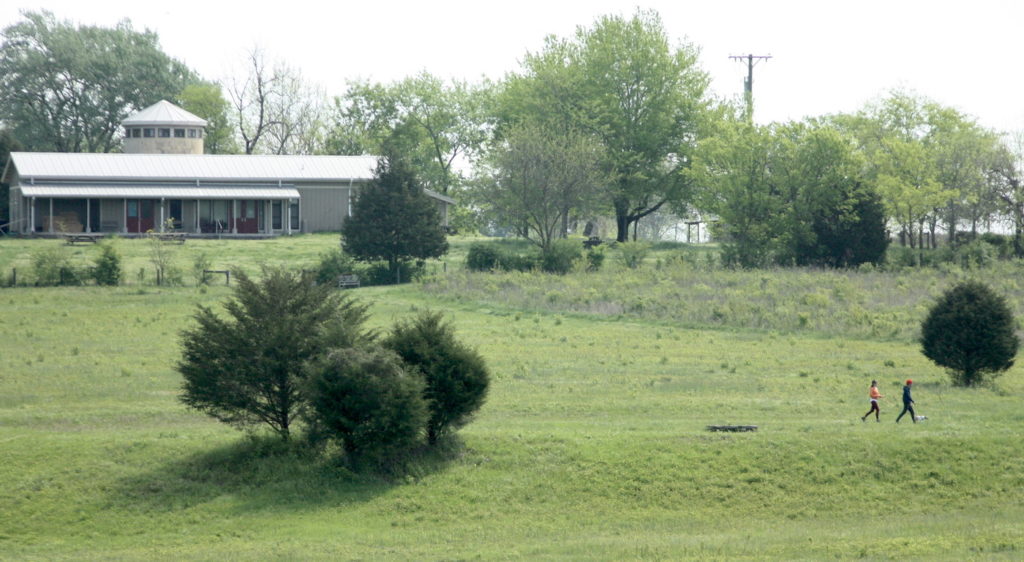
[[140, 215], [246, 221]]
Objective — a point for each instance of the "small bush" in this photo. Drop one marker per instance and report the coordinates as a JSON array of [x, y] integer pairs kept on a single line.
[[595, 258], [560, 256], [483, 257], [369, 402], [52, 266], [107, 268], [380, 274], [200, 265], [633, 254], [456, 376], [334, 264]]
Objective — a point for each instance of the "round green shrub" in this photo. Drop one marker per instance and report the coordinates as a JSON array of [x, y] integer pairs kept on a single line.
[[368, 401], [107, 269]]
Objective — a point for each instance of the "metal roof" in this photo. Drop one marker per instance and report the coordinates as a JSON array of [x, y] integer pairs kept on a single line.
[[157, 192], [164, 112], [33, 166]]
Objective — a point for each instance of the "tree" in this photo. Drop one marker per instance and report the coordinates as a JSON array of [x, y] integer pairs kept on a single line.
[[1007, 177], [542, 179], [248, 368], [274, 109], [369, 401], [436, 125], [206, 100], [8, 144], [67, 89], [645, 100], [393, 220], [970, 331], [456, 376]]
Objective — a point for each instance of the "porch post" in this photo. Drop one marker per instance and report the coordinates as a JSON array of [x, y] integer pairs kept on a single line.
[[124, 216], [161, 214], [286, 214], [32, 215], [234, 217], [51, 215], [88, 216], [197, 216]]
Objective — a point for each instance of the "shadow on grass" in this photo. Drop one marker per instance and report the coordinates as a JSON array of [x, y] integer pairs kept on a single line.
[[266, 473]]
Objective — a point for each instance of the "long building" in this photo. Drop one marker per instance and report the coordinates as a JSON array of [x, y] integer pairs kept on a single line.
[[163, 181]]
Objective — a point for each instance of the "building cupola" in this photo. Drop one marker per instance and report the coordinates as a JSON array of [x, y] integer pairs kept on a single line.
[[163, 128]]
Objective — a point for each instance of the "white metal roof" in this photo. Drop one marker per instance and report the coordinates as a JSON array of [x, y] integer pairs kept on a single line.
[[157, 192], [176, 167], [164, 113]]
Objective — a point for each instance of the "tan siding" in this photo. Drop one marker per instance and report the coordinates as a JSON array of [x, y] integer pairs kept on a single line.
[[323, 207], [111, 215]]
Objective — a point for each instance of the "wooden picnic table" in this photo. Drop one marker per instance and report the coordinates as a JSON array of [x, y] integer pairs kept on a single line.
[[72, 239]]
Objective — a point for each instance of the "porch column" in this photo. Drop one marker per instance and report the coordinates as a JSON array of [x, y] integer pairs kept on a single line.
[[286, 215], [51, 216], [32, 217], [124, 216], [234, 217], [88, 216], [197, 216], [162, 214]]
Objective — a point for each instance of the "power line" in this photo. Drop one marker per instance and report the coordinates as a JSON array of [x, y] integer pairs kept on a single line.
[[748, 82]]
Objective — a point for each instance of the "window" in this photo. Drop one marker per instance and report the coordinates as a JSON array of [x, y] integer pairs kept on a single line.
[[179, 133], [191, 133], [136, 133], [275, 214], [294, 215], [149, 133], [165, 133]]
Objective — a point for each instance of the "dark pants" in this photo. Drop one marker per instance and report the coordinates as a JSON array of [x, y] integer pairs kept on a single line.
[[907, 407], [874, 408]]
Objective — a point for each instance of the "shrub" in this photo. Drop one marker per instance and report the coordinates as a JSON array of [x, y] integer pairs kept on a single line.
[[483, 257], [107, 269], [456, 376], [381, 274], [52, 266], [633, 254], [560, 255], [200, 265], [334, 264], [970, 332], [369, 402], [247, 367], [595, 258]]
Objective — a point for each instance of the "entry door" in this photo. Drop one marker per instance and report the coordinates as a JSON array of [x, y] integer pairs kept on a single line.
[[140, 215], [246, 222]]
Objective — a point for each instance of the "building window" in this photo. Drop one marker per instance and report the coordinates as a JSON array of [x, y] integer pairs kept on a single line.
[[275, 214], [165, 133], [179, 133], [294, 215], [136, 133], [149, 133], [191, 133]]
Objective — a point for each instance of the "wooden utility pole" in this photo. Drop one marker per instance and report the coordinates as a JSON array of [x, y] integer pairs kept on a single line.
[[748, 82]]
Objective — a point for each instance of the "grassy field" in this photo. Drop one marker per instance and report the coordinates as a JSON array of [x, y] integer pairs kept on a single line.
[[592, 444]]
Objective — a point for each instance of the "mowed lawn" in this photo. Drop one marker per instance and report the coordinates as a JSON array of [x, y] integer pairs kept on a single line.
[[592, 445]]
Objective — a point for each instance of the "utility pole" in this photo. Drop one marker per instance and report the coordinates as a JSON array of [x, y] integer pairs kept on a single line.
[[748, 82]]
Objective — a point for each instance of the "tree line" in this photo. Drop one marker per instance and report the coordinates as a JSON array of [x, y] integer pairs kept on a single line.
[[615, 120]]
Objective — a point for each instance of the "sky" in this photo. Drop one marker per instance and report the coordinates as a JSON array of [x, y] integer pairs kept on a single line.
[[826, 56]]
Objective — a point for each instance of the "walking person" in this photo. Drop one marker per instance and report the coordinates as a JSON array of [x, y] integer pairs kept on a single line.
[[875, 396], [908, 403]]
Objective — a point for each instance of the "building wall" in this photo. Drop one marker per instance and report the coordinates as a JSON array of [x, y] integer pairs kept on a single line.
[[323, 207], [162, 146]]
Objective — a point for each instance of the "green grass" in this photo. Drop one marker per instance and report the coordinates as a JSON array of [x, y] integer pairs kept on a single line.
[[592, 444]]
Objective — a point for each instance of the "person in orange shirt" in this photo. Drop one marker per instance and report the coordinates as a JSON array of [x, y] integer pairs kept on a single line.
[[875, 396]]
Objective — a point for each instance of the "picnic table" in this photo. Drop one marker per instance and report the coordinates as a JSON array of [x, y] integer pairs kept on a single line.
[[72, 239]]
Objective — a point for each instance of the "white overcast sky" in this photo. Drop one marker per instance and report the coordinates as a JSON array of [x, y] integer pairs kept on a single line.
[[827, 56]]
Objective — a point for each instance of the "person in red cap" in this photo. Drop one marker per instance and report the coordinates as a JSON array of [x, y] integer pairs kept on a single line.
[[908, 403]]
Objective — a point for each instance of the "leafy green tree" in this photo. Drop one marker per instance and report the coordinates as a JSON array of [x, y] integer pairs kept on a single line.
[[67, 89], [971, 332], [369, 401], [1007, 176], [393, 220], [435, 124], [205, 99], [456, 376], [542, 179], [8, 144], [247, 367], [643, 98]]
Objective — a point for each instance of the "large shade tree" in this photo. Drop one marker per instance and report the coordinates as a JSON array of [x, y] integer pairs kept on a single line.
[[67, 88], [623, 81]]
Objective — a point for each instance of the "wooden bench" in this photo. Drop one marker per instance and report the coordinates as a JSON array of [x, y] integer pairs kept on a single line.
[[592, 242], [733, 428], [176, 237], [225, 272], [72, 239], [348, 281]]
